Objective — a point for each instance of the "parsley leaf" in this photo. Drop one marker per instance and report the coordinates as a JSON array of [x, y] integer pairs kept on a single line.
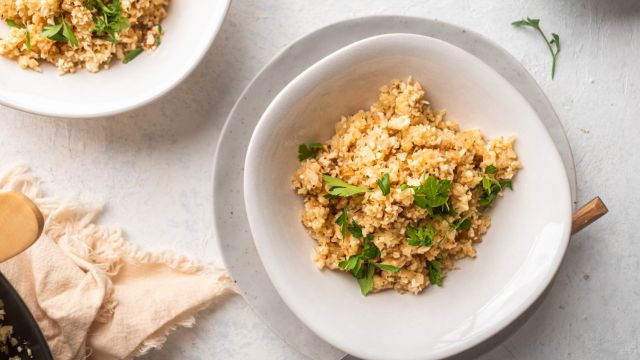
[[491, 169], [554, 43], [341, 188], [308, 151], [343, 222], [434, 269], [108, 20], [463, 224], [384, 183], [432, 193], [27, 36], [128, 57], [67, 33], [160, 33], [492, 187], [386, 267], [421, 236], [361, 266], [370, 250], [60, 31], [27, 39], [366, 283], [355, 229], [14, 24], [353, 265]]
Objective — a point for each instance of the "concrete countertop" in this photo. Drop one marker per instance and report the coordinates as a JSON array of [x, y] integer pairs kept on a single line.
[[153, 165]]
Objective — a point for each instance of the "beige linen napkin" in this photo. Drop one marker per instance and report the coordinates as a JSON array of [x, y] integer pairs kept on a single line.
[[96, 296]]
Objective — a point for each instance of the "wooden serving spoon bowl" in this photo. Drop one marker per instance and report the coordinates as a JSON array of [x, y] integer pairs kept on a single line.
[[21, 224]]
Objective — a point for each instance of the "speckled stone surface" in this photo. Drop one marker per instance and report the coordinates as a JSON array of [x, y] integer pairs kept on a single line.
[[153, 165]]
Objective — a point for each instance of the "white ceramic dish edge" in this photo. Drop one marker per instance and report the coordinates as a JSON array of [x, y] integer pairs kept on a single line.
[[477, 339], [66, 113]]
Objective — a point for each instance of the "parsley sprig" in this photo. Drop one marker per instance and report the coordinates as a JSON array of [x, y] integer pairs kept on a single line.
[[108, 19], [432, 194], [341, 188], [308, 151], [553, 44], [362, 266], [434, 270], [492, 187], [384, 183], [421, 236], [27, 36], [60, 31]]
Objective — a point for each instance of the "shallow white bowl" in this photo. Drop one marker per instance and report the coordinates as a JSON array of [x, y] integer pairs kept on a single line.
[[189, 28], [517, 259]]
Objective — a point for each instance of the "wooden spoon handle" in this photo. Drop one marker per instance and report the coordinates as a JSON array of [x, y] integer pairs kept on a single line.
[[587, 214]]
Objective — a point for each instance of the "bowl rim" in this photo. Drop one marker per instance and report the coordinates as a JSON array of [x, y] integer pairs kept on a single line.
[[190, 67], [474, 340]]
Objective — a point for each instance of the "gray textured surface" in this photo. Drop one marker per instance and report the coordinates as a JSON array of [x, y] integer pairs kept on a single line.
[[153, 165]]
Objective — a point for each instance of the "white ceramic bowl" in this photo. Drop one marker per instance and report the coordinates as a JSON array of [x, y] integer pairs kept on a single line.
[[517, 259], [189, 28]]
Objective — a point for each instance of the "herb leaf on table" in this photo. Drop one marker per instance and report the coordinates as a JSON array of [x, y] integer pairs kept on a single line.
[[553, 44]]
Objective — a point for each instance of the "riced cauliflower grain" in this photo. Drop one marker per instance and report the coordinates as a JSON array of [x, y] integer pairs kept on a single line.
[[93, 53], [403, 136]]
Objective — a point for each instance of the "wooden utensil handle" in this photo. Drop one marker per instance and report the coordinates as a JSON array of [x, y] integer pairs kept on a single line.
[[587, 214]]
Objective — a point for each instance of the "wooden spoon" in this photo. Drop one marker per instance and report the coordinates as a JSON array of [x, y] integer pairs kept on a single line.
[[21, 224]]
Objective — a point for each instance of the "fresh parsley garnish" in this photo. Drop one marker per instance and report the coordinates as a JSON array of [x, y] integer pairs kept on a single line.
[[27, 36], [132, 55], [308, 151], [60, 31], [421, 236], [370, 250], [491, 170], [462, 224], [434, 270], [341, 188], [355, 230], [384, 183], [14, 24], [366, 283], [362, 267], [491, 187], [160, 33], [108, 20], [553, 45], [432, 194], [387, 267], [343, 221]]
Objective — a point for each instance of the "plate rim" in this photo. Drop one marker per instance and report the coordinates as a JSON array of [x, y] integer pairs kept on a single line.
[[559, 137], [523, 302]]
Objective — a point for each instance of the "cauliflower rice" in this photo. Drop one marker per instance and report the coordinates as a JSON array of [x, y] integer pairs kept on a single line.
[[93, 52], [8, 343], [402, 136]]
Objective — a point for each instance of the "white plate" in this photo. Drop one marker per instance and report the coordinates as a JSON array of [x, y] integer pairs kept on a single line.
[[517, 259], [231, 228], [190, 28]]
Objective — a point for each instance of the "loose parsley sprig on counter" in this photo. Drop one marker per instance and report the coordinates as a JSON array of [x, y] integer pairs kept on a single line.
[[362, 266], [553, 45], [27, 36]]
